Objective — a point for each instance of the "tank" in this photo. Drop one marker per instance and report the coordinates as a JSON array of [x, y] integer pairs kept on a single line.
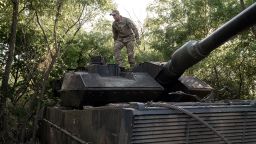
[[154, 103]]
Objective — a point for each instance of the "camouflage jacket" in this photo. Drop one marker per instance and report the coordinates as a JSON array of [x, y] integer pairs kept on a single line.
[[124, 29]]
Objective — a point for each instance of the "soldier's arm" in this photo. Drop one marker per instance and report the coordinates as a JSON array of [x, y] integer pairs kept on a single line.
[[115, 33], [134, 29]]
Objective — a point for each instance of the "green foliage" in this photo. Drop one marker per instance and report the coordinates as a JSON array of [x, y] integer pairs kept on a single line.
[[172, 23], [79, 50], [36, 39]]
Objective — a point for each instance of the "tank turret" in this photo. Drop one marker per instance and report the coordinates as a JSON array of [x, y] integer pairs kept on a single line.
[[102, 83]]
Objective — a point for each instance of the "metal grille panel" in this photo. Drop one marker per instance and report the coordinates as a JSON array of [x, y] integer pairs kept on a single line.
[[178, 128]]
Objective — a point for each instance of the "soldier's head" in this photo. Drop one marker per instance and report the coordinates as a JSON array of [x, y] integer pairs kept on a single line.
[[115, 14]]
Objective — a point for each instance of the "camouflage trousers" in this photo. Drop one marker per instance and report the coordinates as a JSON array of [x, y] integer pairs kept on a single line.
[[130, 51]]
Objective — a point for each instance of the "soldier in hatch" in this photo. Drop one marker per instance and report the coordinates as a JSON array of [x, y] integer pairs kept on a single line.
[[124, 33]]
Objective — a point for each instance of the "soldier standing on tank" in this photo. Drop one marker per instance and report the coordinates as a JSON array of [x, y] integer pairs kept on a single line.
[[124, 33]]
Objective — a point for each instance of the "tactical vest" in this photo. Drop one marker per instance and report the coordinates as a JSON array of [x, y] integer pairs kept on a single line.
[[123, 27]]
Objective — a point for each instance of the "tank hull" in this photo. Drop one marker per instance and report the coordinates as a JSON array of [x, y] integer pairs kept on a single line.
[[139, 123]]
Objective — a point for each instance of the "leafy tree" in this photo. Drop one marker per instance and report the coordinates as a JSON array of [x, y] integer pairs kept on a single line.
[[172, 23], [4, 91], [45, 30]]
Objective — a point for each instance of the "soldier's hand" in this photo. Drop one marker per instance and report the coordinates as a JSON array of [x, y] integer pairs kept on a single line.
[[138, 42]]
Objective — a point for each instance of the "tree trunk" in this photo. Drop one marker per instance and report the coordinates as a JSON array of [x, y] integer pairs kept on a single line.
[[46, 74], [7, 71]]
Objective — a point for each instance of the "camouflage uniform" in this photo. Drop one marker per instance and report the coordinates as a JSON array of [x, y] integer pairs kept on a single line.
[[124, 33]]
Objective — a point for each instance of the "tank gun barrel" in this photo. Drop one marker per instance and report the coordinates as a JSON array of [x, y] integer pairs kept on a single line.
[[194, 51]]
